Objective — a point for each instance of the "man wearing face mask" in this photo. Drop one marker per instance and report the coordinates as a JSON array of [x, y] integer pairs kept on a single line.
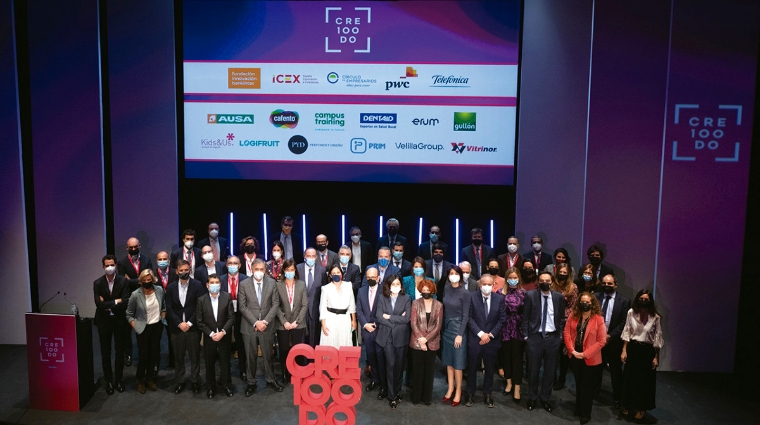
[[351, 272], [166, 275], [384, 265], [512, 257], [215, 319], [130, 267], [290, 240], [188, 252], [209, 266], [615, 308], [438, 269], [231, 283], [315, 276], [398, 260], [477, 253], [219, 246], [595, 257], [537, 256], [487, 316], [542, 327], [361, 250], [425, 249], [111, 293], [366, 307], [470, 283], [327, 258], [392, 236], [529, 277]]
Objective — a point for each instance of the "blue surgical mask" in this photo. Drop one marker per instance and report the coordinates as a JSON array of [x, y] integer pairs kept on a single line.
[[398, 254], [290, 275], [512, 282], [163, 264], [310, 262], [587, 278], [336, 278], [214, 288], [419, 271], [344, 259], [433, 238], [383, 262], [232, 269]]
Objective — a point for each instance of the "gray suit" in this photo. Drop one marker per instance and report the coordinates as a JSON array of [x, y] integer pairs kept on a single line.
[[137, 310], [314, 294], [254, 310]]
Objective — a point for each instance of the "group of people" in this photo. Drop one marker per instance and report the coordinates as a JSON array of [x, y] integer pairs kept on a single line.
[[502, 314]]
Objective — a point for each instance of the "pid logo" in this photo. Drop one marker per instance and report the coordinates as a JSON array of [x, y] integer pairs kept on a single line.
[[705, 131], [347, 29]]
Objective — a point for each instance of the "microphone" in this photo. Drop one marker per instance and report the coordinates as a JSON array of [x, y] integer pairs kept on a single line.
[[74, 308], [49, 299]]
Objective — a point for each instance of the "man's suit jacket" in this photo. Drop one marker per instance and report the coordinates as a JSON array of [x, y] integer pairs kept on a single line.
[[224, 281], [174, 308], [391, 269], [424, 250], [397, 327], [313, 292], [137, 308], [504, 265], [225, 317], [201, 272], [363, 313], [619, 314], [368, 256], [385, 241], [180, 255], [604, 271], [468, 254], [332, 259], [533, 307], [497, 315], [124, 268], [472, 284], [300, 305], [103, 309], [406, 267], [442, 279], [297, 241], [224, 247], [254, 309], [171, 271], [353, 275], [546, 259]]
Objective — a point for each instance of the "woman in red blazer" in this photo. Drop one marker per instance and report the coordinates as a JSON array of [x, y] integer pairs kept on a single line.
[[585, 335]]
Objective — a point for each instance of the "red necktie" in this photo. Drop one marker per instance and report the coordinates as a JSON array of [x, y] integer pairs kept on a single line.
[[233, 287]]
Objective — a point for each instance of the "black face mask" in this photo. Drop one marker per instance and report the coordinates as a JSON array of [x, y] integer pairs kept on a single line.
[[184, 276], [584, 306], [249, 249], [392, 231], [477, 242], [595, 261], [561, 277], [427, 295], [147, 285], [609, 289], [528, 275], [437, 258], [493, 271], [321, 247], [644, 303], [371, 282], [544, 286], [134, 251]]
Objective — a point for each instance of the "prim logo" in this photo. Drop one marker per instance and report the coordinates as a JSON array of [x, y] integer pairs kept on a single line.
[[284, 119], [347, 29]]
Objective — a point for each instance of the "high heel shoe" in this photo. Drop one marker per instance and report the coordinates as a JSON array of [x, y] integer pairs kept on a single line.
[[515, 399], [505, 392], [455, 403], [446, 400]]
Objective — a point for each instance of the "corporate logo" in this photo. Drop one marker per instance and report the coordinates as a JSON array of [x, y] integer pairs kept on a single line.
[[425, 121], [359, 145], [461, 147], [229, 118], [298, 144], [244, 78], [223, 142], [294, 79], [450, 81], [329, 121], [51, 350], [377, 120], [344, 29], [410, 73], [464, 121], [356, 81], [419, 146], [333, 77], [259, 143], [284, 119]]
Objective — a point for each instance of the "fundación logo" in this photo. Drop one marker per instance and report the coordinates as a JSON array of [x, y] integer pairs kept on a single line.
[[230, 118], [377, 120], [284, 119], [464, 121], [359, 145], [461, 147], [244, 78]]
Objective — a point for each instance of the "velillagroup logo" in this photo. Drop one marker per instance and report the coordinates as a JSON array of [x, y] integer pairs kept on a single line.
[[464, 121], [345, 27], [284, 119], [229, 118]]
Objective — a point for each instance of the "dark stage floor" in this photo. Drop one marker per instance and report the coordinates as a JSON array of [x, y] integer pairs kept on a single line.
[[686, 398]]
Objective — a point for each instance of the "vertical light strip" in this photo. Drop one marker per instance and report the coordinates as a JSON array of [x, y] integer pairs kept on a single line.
[[419, 237], [381, 227], [342, 229], [662, 160], [232, 232], [456, 247], [303, 219], [493, 238], [588, 116], [266, 236]]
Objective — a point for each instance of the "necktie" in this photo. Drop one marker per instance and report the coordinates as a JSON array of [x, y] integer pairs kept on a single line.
[[324, 260], [604, 308], [477, 259], [371, 298], [393, 304], [437, 272], [343, 270], [288, 248], [215, 251], [485, 306], [543, 316], [310, 280], [233, 287], [258, 293], [398, 264]]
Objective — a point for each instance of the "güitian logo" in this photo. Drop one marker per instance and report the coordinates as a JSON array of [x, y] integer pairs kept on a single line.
[[229, 118], [284, 119], [464, 121]]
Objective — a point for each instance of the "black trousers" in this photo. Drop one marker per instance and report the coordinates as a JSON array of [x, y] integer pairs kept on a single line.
[[588, 380], [238, 344], [394, 365], [611, 356], [187, 342], [563, 362], [423, 365], [213, 350], [512, 360], [475, 355], [148, 350], [639, 379], [114, 328], [286, 339], [542, 351]]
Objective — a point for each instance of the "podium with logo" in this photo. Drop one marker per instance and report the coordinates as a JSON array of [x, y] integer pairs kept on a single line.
[[59, 354]]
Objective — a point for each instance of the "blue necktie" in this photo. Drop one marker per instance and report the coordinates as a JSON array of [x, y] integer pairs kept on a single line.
[[543, 318]]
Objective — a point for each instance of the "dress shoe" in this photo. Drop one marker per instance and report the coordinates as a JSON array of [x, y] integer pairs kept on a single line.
[[151, 385], [399, 399], [468, 400], [559, 385], [196, 388], [179, 388], [120, 387], [428, 403], [505, 392], [243, 377], [531, 404], [393, 404], [382, 394], [616, 403], [285, 378], [367, 371], [109, 387], [155, 370], [141, 387], [250, 389], [488, 400], [210, 394], [371, 387], [127, 361], [515, 399], [228, 391], [275, 386], [446, 400], [584, 420], [546, 406]]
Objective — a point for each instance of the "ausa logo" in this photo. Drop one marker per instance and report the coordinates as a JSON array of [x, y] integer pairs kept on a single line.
[[284, 119], [229, 119], [464, 121]]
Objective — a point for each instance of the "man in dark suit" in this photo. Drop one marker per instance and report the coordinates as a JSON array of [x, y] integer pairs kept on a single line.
[[470, 283], [384, 266], [181, 302], [595, 257], [327, 258], [231, 283], [130, 267], [166, 274], [512, 257], [220, 246], [487, 317], [542, 326], [351, 272], [477, 253], [259, 305], [391, 236], [290, 240], [215, 319], [315, 277], [366, 306], [438, 269], [539, 258], [425, 250], [362, 253], [615, 308], [188, 252], [398, 260], [111, 293], [209, 266]]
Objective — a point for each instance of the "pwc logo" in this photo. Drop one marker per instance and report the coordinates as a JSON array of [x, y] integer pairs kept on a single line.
[[284, 119]]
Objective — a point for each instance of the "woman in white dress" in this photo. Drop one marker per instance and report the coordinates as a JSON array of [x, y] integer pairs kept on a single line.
[[337, 311]]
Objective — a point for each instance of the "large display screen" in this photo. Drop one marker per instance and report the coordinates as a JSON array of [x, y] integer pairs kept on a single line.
[[402, 91]]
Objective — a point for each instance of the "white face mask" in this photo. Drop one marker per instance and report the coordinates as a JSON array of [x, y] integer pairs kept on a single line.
[[512, 248], [276, 255], [465, 276], [536, 247], [454, 278], [486, 289], [110, 270], [208, 257], [258, 275], [214, 233], [395, 289], [189, 244], [355, 238]]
